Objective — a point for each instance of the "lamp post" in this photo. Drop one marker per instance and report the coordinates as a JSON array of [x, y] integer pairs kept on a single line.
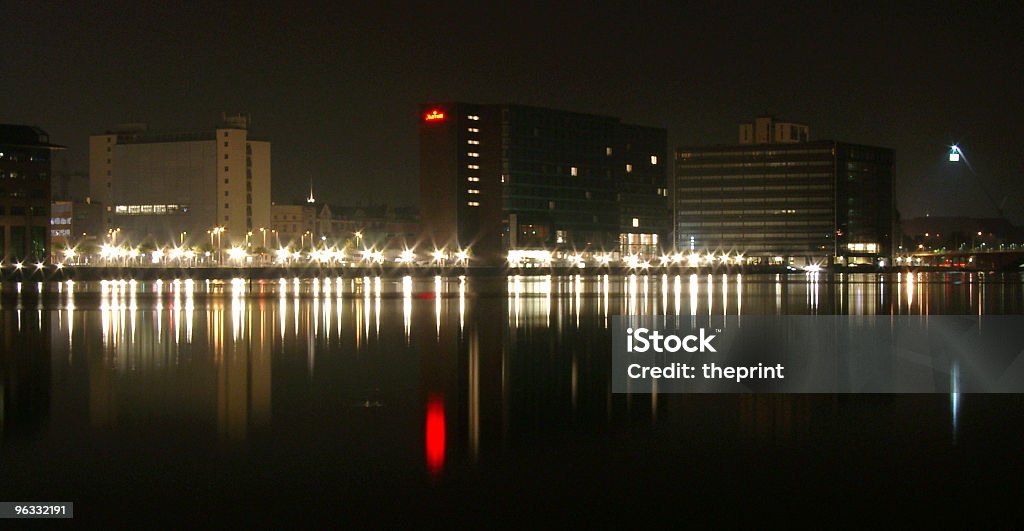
[[216, 231]]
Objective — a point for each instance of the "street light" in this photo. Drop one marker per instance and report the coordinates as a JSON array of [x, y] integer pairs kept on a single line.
[[216, 231], [954, 153]]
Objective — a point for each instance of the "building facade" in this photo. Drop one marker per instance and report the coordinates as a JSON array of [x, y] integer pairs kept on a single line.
[[159, 184], [800, 203], [501, 177], [768, 130], [25, 180]]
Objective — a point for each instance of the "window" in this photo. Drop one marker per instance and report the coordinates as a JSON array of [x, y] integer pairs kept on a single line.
[[608, 151], [654, 160], [472, 191], [574, 171], [629, 168], [225, 181], [225, 156], [636, 222], [473, 179], [473, 203], [225, 168], [225, 205], [474, 130], [473, 166], [473, 117], [225, 134], [473, 154], [473, 142], [551, 205], [225, 143]]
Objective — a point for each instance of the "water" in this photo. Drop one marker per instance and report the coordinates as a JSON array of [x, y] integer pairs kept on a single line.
[[431, 401]]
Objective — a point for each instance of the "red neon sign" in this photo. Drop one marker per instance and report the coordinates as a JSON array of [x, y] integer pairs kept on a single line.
[[434, 116]]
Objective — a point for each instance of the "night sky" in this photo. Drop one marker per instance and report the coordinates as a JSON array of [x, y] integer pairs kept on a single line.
[[336, 88]]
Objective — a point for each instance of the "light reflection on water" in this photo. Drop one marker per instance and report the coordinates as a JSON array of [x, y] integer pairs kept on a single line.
[[463, 364]]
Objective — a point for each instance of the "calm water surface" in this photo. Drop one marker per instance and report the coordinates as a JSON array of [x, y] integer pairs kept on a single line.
[[432, 401]]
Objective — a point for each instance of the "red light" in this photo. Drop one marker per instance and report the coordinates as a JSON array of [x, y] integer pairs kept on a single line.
[[435, 433], [434, 116]]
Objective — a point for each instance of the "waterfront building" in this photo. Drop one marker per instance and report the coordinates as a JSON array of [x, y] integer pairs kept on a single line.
[[501, 177], [25, 174], [785, 199], [157, 185]]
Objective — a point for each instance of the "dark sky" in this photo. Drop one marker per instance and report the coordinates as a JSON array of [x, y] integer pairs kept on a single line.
[[336, 88]]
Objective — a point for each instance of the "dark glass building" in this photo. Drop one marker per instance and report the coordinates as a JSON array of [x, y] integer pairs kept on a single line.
[[501, 177], [25, 168], [801, 203]]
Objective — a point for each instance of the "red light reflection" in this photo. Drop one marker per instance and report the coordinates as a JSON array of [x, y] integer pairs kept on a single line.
[[435, 433]]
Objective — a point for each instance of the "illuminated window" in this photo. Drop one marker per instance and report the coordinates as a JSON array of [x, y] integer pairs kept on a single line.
[[473, 117], [473, 166], [654, 159], [629, 168], [636, 222], [608, 151], [473, 130], [473, 203], [472, 191], [473, 179], [473, 142], [574, 171], [473, 154]]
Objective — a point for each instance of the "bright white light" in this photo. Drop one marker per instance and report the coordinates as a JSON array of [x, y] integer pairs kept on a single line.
[[237, 253], [813, 268], [438, 255], [462, 255], [538, 255], [954, 153], [693, 260], [406, 257], [69, 253]]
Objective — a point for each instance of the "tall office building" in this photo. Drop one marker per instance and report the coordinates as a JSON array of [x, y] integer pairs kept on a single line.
[[500, 177], [782, 199], [158, 184], [25, 169]]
